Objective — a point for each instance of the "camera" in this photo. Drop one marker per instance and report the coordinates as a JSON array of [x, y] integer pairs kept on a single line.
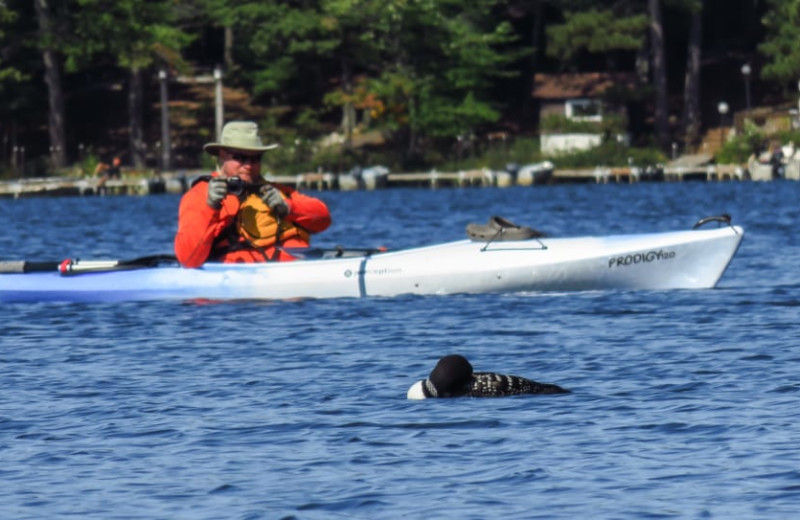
[[236, 185]]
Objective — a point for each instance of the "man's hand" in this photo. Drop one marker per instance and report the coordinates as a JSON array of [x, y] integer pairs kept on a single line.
[[274, 200], [217, 190]]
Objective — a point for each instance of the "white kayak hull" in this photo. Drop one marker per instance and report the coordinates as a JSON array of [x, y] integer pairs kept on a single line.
[[693, 259]]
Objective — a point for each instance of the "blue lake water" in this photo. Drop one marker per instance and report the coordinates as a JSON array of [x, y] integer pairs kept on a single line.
[[684, 403]]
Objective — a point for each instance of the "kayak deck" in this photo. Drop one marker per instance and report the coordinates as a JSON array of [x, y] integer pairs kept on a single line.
[[692, 259]]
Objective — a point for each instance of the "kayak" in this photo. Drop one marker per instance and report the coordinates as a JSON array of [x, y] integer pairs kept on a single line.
[[687, 259]]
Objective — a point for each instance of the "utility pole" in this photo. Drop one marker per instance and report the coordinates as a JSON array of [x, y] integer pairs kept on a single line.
[[165, 141], [218, 104], [746, 70]]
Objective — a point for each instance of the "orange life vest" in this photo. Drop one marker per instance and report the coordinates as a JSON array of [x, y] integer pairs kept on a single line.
[[256, 223]]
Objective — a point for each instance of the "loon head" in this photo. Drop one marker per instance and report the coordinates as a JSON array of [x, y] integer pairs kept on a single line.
[[450, 376]]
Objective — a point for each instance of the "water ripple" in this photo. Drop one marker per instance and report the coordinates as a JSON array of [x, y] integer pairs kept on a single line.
[[682, 402]]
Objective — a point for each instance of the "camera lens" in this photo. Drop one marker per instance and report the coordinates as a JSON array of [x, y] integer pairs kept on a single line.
[[235, 185]]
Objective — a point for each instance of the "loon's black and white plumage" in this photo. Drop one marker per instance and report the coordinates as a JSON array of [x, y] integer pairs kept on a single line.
[[453, 377]]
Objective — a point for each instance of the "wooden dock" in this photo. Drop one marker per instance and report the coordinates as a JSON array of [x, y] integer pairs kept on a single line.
[[178, 182], [460, 179], [431, 179], [66, 186], [667, 174]]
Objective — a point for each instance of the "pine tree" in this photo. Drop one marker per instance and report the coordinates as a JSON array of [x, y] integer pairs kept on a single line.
[[781, 46], [138, 35]]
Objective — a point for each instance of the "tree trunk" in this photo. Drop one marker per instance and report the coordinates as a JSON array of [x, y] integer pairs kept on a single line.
[[659, 73], [52, 77], [537, 12], [348, 111], [412, 131], [691, 94], [228, 50], [135, 110]]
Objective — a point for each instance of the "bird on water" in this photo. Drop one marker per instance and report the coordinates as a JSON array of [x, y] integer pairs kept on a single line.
[[453, 376]]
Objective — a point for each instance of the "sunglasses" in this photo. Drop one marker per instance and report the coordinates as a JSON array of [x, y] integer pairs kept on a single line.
[[244, 159]]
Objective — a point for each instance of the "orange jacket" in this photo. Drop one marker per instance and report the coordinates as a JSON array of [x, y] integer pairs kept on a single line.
[[199, 225]]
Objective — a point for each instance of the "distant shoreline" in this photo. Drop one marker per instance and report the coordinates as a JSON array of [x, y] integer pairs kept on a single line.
[[178, 181]]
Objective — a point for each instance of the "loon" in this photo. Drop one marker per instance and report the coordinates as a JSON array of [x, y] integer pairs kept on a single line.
[[453, 377]]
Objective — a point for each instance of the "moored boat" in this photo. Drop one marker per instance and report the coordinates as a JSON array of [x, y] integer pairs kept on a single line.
[[503, 262]]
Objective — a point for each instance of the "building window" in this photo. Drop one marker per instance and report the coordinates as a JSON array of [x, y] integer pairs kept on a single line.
[[584, 110]]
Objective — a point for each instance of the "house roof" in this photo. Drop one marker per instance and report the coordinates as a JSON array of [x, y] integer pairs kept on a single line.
[[578, 85]]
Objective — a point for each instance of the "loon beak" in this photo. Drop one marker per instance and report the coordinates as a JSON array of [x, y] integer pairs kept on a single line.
[[416, 392]]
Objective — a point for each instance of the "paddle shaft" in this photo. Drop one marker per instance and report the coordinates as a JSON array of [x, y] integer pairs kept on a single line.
[[69, 266], [25, 266], [66, 267]]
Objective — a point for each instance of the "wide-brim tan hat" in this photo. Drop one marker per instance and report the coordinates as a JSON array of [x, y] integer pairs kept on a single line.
[[239, 135]]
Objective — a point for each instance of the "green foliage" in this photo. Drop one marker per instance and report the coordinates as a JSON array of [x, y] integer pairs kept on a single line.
[[524, 150], [434, 85], [788, 136], [135, 34], [595, 31], [689, 6], [559, 124], [464, 43], [495, 155], [337, 160], [610, 125], [445, 117], [422, 72], [10, 73], [739, 149], [475, 154], [208, 163], [781, 45], [610, 154], [88, 164], [282, 40], [735, 151]]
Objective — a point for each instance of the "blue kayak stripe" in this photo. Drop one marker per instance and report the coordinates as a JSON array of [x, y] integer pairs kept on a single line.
[[362, 278]]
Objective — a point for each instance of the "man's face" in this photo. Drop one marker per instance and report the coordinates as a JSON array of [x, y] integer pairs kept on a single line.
[[246, 165]]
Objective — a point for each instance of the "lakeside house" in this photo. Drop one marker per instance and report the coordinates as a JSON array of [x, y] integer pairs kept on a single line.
[[578, 98]]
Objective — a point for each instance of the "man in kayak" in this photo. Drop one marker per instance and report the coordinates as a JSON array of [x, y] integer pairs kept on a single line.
[[234, 215]]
